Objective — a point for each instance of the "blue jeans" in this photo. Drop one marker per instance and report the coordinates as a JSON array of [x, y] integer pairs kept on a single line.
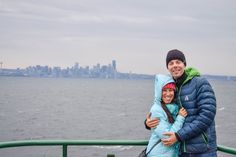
[[208, 154]]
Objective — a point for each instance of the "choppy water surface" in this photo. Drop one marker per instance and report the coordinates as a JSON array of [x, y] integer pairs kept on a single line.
[[49, 108]]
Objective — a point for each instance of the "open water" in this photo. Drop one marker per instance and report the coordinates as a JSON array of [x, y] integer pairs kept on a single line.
[[60, 108]]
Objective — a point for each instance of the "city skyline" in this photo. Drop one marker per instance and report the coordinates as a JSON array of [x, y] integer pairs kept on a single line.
[[76, 64], [112, 66], [108, 71]]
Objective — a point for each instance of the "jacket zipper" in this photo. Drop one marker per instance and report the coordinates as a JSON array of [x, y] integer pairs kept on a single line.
[[180, 103], [184, 145], [205, 138]]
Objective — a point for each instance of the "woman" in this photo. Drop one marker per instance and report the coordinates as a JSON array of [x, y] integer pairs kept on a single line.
[[171, 118]]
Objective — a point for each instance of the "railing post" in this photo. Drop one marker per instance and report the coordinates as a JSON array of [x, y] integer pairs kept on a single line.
[[64, 150]]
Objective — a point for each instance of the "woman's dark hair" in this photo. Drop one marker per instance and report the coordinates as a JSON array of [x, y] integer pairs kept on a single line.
[[169, 115]]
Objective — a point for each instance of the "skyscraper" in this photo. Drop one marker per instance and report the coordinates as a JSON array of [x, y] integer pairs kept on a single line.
[[114, 65]]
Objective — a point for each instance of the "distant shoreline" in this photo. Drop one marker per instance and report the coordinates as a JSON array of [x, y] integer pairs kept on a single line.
[[114, 75]]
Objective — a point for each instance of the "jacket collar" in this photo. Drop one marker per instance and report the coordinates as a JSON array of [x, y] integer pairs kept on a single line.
[[179, 81]]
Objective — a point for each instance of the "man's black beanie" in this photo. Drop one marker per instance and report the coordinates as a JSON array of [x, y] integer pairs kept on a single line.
[[175, 54]]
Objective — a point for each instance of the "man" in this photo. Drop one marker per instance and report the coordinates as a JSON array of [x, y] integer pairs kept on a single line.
[[195, 94]]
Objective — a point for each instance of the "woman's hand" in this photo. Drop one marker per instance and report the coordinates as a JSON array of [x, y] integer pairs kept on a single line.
[[183, 112]]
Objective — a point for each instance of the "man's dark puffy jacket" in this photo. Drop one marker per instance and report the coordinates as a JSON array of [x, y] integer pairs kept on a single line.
[[196, 95]]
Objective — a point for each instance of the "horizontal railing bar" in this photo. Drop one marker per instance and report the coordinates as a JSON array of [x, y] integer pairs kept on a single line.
[[91, 143], [71, 142], [225, 149]]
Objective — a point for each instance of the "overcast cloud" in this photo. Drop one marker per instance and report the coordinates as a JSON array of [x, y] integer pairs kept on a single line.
[[136, 33]]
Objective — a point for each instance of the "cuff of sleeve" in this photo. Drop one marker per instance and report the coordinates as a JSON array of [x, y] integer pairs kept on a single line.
[[146, 125], [177, 136], [180, 117]]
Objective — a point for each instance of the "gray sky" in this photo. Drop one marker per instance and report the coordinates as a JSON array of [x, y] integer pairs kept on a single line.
[[136, 33]]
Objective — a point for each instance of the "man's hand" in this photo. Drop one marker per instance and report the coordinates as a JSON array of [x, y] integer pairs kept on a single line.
[[171, 140], [152, 123]]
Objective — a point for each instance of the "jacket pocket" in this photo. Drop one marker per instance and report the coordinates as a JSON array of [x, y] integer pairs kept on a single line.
[[198, 144]]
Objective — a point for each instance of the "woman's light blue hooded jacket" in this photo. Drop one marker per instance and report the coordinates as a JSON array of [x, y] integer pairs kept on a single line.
[[164, 126]]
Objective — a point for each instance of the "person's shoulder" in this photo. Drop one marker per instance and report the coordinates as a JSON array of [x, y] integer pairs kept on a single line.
[[203, 84], [156, 107], [201, 80], [156, 110]]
